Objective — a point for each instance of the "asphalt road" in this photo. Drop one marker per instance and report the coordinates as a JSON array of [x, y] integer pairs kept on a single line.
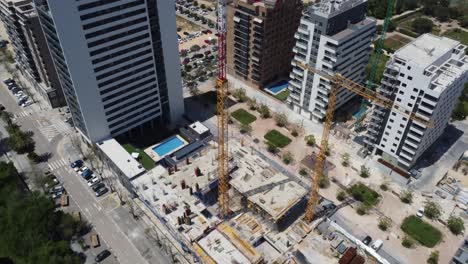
[[50, 134]]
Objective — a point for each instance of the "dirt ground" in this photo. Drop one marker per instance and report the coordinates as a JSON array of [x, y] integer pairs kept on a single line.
[[186, 25]]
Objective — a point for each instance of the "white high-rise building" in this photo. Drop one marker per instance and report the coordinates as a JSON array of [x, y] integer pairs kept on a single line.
[[424, 78], [333, 36], [117, 61]]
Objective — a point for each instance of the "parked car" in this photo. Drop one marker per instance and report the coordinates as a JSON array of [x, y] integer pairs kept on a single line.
[[102, 255], [367, 240], [377, 245], [3, 43], [101, 191], [27, 103], [93, 181], [420, 212], [185, 61], [98, 186], [8, 80], [76, 164], [82, 169], [57, 195], [55, 189], [87, 174]]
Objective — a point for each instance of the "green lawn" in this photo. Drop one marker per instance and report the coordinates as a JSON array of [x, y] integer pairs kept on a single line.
[[458, 34], [394, 43], [283, 95], [421, 231], [364, 194], [243, 116], [277, 139], [144, 159]]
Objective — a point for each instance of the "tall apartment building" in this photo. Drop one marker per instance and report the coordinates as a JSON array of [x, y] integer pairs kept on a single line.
[[425, 79], [333, 36], [260, 38], [30, 49], [117, 61]]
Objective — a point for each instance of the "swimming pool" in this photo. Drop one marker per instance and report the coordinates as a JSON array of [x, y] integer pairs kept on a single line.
[[360, 113], [168, 146], [278, 88]]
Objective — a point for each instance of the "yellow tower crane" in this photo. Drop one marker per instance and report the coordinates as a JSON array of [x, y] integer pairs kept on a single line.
[[338, 81]]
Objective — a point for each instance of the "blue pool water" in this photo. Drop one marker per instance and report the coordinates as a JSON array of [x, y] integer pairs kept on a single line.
[[168, 146], [359, 113], [279, 87]]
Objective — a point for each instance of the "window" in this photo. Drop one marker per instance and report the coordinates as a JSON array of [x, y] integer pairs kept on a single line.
[[391, 120], [394, 144], [385, 140], [410, 105], [389, 127], [403, 84], [410, 78], [398, 99], [402, 75], [387, 134], [392, 150], [397, 139], [409, 67], [401, 92], [413, 97], [399, 132], [383, 145], [402, 126], [415, 90]]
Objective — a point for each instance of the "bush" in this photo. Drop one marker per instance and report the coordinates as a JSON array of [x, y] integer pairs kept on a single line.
[[264, 111], [252, 103], [328, 150], [245, 129], [432, 210], [195, 48], [364, 173], [384, 187], [272, 148], [422, 25], [294, 133], [310, 140], [341, 195], [407, 242], [303, 172], [362, 209], [288, 157], [408, 32], [421, 231], [281, 119], [433, 257], [32, 156], [240, 95], [456, 225], [406, 196], [384, 223]]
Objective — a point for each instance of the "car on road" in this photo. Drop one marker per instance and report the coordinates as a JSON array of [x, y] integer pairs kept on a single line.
[[367, 240], [98, 186], [420, 212], [101, 191], [102, 255], [93, 181], [82, 169], [76, 164], [377, 245]]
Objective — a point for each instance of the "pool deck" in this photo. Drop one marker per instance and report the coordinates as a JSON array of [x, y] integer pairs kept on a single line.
[[155, 155]]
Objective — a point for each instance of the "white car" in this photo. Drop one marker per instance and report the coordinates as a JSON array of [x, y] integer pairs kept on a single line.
[[420, 212], [93, 181], [27, 103]]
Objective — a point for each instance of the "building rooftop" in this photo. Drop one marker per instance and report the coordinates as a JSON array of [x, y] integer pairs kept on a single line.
[[121, 158], [353, 28], [199, 128], [426, 49], [330, 8]]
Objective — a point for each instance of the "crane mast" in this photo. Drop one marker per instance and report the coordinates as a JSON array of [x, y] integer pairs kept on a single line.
[[222, 90]]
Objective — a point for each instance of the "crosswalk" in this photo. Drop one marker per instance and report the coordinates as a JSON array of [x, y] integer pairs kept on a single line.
[[49, 132], [57, 164], [23, 114]]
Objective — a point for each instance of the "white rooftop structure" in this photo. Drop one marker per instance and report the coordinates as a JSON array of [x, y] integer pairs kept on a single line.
[[121, 158], [199, 128], [426, 49]]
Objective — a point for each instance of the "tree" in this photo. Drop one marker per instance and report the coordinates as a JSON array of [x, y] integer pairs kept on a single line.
[[323, 182], [264, 111], [432, 210], [76, 143], [240, 95], [406, 196], [281, 119], [422, 25], [310, 140], [365, 172], [195, 48], [345, 159], [456, 225], [442, 14], [433, 257], [328, 150], [407, 242], [341, 195], [288, 157], [271, 147], [252, 103]]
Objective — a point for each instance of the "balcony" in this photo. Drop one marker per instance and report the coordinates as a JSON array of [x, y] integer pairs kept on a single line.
[[411, 143], [409, 150], [414, 137], [407, 156], [298, 72], [303, 30], [301, 45]]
